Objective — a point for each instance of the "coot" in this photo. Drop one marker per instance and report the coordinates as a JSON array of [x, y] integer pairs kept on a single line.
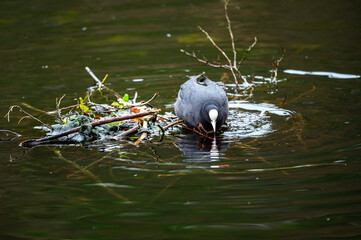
[[201, 100]]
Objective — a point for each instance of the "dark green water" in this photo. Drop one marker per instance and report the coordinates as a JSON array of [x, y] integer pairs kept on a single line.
[[283, 178]]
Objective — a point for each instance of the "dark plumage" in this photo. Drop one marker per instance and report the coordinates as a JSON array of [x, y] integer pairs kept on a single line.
[[196, 99]]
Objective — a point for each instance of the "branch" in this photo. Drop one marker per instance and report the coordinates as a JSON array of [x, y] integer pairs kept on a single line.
[[224, 54], [230, 34], [141, 103], [276, 64], [126, 133], [28, 114], [143, 135], [58, 107], [99, 84], [172, 124], [247, 51], [204, 61]]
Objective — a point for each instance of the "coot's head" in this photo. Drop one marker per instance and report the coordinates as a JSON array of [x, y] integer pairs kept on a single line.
[[210, 114]]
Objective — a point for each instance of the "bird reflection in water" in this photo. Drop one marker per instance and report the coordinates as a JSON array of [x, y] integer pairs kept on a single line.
[[196, 148]]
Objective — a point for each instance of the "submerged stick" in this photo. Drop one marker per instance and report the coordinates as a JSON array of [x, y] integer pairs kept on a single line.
[[34, 142], [91, 175], [192, 129]]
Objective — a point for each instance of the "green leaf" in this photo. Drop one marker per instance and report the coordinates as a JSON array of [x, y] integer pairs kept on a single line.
[[115, 104], [126, 97]]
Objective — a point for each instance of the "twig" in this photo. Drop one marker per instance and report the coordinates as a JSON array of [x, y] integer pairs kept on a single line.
[[58, 107], [11, 132], [233, 67], [219, 65], [299, 96], [230, 34], [143, 135], [26, 113], [135, 97], [172, 124], [99, 83], [224, 54], [90, 165], [96, 79], [192, 129], [63, 108], [91, 175], [246, 51], [276, 64], [142, 103], [126, 133], [34, 142], [163, 133]]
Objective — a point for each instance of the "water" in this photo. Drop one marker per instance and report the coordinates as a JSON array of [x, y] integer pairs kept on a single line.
[[288, 166]]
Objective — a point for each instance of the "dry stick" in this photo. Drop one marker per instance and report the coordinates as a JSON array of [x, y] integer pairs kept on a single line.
[[276, 64], [34, 142], [225, 55], [246, 51], [230, 34], [141, 103], [28, 114], [166, 127], [58, 107], [143, 135], [172, 124], [99, 83], [235, 67], [63, 108], [204, 61], [91, 175], [126, 133]]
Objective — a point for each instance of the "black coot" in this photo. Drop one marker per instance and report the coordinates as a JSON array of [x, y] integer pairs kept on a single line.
[[201, 100]]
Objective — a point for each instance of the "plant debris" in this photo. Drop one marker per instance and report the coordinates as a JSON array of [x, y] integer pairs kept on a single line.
[[88, 121]]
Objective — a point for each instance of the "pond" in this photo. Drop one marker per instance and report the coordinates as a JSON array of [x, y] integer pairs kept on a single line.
[[287, 167]]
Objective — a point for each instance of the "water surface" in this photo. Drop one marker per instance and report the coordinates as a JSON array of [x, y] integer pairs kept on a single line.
[[288, 166]]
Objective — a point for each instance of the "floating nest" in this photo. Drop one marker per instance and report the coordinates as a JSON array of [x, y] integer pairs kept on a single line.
[[88, 121]]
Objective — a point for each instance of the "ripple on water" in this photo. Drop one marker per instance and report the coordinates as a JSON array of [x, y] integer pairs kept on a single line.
[[248, 119]]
